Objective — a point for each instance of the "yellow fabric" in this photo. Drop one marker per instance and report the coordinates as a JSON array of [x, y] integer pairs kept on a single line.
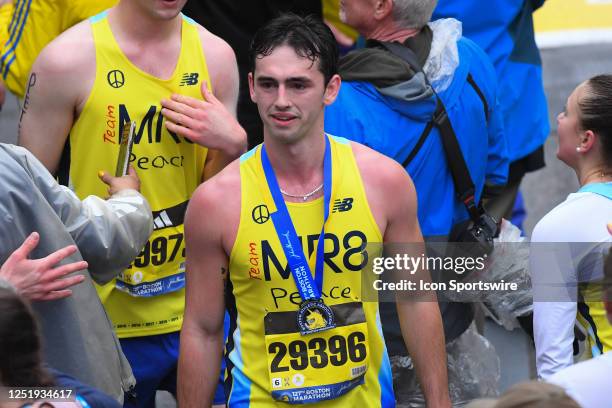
[[260, 286], [32, 25], [6, 11], [169, 167], [593, 318], [331, 10]]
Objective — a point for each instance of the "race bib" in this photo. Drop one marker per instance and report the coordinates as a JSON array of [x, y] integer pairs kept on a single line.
[[158, 269], [318, 366]]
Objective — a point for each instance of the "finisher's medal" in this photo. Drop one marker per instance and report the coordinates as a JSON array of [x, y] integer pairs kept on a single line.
[[314, 316]]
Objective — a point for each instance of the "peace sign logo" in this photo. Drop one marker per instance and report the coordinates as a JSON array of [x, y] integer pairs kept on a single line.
[[115, 78], [260, 214]]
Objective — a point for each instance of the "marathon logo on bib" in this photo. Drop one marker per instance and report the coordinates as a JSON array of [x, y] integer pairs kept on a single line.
[[314, 394], [149, 289]]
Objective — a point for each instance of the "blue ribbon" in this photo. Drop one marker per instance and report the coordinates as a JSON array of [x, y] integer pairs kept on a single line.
[[308, 287]]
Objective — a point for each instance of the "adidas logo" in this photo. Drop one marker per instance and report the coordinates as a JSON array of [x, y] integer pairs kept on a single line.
[[162, 221]]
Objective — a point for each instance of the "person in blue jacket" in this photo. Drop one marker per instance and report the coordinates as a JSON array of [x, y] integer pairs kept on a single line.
[[386, 105], [504, 30]]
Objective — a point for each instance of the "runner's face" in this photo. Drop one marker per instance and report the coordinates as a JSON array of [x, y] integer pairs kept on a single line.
[[568, 128], [290, 94], [162, 9]]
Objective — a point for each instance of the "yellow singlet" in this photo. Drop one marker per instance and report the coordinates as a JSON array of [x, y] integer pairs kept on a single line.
[[31, 26], [148, 298], [269, 360], [593, 318], [6, 13]]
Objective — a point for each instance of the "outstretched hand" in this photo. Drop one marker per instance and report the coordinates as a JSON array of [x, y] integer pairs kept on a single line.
[[41, 279], [116, 184], [206, 122]]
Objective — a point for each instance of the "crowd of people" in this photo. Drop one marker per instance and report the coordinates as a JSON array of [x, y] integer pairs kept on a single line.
[[234, 278]]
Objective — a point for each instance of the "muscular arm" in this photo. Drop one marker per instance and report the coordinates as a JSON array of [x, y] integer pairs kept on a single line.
[[420, 320], [53, 92], [202, 332]]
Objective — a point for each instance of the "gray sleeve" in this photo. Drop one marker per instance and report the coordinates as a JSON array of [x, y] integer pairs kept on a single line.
[[109, 233]]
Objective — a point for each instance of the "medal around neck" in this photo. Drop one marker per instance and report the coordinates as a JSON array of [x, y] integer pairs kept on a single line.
[[314, 315]]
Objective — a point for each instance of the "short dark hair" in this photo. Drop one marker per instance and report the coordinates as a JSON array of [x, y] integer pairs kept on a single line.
[[21, 362], [308, 36], [596, 112]]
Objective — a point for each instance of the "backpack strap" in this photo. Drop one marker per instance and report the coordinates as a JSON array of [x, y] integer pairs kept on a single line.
[[464, 185]]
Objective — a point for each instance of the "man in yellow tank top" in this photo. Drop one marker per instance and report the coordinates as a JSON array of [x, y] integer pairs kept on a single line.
[[295, 338], [141, 61]]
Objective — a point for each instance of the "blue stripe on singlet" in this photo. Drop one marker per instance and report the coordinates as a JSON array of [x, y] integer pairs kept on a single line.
[[385, 377], [13, 28], [98, 17], [15, 43], [14, 19]]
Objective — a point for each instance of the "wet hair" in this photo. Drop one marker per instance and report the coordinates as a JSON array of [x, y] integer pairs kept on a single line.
[[413, 13], [21, 362], [596, 112], [308, 36]]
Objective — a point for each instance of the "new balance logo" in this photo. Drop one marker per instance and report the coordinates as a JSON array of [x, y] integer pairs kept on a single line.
[[343, 205], [189, 79], [162, 221]]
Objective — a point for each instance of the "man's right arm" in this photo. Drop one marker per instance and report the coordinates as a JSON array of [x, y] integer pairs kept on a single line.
[[54, 89], [202, 332]]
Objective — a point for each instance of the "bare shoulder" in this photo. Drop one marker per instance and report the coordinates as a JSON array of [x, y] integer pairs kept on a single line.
[[389, 189], [72, 52], [380, 171], [216, 49], [224, 184], [215, 205], [222, 65]]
